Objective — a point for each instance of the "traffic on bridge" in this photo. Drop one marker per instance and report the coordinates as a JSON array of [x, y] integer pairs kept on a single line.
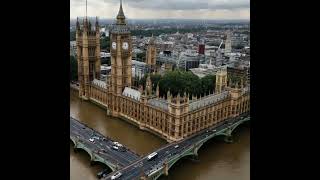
[[152, 166], [100, 148]]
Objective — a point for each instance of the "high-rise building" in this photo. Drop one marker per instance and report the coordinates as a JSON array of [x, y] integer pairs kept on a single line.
[[228, 45], [201, 49]]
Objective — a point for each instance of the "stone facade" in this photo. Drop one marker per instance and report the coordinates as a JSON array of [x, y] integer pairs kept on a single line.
[[88, 55], [151, 55], [171, 118]]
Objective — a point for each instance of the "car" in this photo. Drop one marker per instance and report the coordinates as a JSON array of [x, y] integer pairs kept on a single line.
[[120, 145], [91, 140], [115, 147], [176, 146], [116, 175], [95, 137], [214, 130], [117, 144]]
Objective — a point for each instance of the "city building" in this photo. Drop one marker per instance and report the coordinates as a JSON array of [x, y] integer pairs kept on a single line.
[[73, 48], [171, 117], [228, 45], [201, 48], [139, 69]]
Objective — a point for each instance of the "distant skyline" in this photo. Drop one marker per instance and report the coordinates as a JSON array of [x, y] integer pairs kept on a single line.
[[164, 9]]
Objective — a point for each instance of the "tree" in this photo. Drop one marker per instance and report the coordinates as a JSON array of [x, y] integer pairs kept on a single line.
[[155, 78], [72, 35], [105, 43], [181, 82], [141, 56], [208, 84], [73, 69], [238, 46]]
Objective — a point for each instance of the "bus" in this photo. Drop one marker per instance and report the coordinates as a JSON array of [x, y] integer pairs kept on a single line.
[[152, 155]]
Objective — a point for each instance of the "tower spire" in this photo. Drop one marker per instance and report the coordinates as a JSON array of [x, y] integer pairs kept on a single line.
[[120, 17]]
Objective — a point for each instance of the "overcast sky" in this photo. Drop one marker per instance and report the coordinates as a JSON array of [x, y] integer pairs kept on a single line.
[[158, 9]]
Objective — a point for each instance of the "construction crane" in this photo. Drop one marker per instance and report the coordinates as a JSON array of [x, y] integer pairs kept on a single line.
[[220, 45]]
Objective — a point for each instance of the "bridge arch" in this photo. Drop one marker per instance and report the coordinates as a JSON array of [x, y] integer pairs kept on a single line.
[[226, 133], [93, 157], [106, 163], [238, 124], [172, 163], [199, 145], [73, 141]]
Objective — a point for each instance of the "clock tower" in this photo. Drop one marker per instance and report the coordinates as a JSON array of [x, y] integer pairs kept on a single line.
[[121, 54]]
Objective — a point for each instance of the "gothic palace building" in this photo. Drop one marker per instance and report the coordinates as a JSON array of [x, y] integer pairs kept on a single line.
[[171, 118]]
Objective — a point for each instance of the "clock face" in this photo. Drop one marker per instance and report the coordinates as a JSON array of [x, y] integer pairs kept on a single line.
[[114, 45], [125, 45]]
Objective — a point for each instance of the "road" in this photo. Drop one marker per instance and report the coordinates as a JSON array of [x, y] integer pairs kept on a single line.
[[134, 170], [102, 145]]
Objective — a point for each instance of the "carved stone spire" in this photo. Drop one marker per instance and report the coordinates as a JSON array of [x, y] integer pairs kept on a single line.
[[120, 17]]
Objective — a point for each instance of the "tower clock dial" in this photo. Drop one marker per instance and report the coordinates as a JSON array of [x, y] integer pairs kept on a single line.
[[114, 45], [125, 45]]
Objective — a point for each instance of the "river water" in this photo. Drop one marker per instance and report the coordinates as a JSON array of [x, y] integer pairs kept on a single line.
[[217, 159]]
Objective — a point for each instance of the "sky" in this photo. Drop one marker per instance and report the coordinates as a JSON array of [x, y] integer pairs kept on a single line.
[[164, 9]]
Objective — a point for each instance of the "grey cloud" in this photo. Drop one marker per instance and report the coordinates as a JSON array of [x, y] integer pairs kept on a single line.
[[170, 4], [185, 4]]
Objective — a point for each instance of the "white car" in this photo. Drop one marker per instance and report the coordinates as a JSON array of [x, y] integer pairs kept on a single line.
[[95, 137], [117, 144], [176, 146], [116, 175], [91, 140], [115, 147]]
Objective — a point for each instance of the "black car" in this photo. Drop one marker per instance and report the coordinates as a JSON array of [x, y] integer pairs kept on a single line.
[[102, 173]]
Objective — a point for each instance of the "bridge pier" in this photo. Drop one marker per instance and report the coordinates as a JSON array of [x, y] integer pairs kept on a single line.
[[194, 158], [166, 168], [228, 139], [92, 163]]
